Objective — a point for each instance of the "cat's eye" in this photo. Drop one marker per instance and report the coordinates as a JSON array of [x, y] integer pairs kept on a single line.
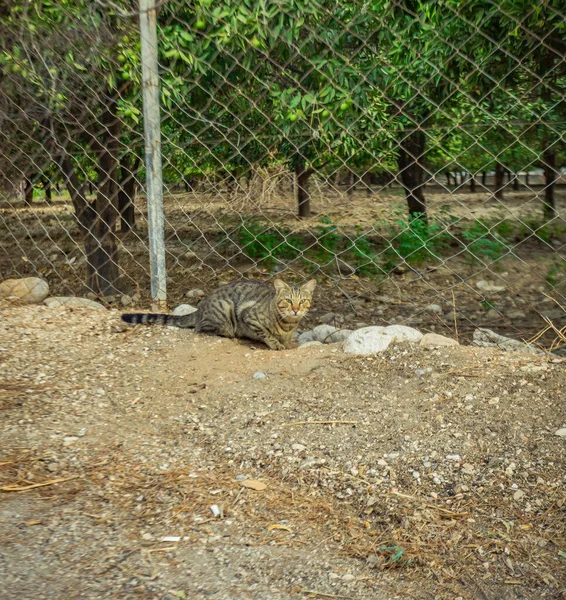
[[288, 300]]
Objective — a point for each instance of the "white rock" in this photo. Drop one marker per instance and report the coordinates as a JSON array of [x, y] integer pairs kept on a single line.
[[321, 333], [305, 337], [369, 340], [402, 333], [195, 294], [259, 375], [489, 286], [126, 300], [70, 440], [518, 495], [71, 302], [309, 344], [339, 336], [184, 309], [30, 290], [433, 340], [561, 432]]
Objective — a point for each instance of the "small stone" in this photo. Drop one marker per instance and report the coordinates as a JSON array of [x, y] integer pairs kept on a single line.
[[561, 432], [434, 308], [215, 510], [147, 536], [305, 337], [327, 318], [518, 495], [467, 468], [126, 300], [298, 447], [486, 338], [52, 467], [489, 286], [321, 333], [71, 302], [310, 344], [184, 309], [492, 314], [70, 440], [416, 475], [452, 457], [110, 299], [197, 293], [433, 340], [29, 290], [259, 375], [348, 577], [516, 315]]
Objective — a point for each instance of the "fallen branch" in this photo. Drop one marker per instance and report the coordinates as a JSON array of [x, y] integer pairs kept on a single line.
[[323, 595], [9, 488]]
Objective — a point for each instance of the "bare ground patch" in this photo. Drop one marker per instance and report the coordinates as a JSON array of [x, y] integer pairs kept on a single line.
[[416, 474]]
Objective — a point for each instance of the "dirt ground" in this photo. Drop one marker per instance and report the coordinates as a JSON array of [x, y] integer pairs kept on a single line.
[[130, 458]]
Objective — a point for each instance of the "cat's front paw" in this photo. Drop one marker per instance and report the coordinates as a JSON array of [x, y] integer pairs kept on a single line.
[[275, 345]]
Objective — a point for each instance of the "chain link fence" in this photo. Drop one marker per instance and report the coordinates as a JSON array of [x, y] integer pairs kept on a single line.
[[410, 155]]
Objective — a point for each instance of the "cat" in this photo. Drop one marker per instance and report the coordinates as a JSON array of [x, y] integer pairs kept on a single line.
[[245, 309]]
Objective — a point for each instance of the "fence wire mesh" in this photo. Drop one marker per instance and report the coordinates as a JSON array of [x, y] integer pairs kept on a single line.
[[408, 154]]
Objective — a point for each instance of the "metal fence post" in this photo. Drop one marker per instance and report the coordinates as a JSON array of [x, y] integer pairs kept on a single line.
[[152, 134]]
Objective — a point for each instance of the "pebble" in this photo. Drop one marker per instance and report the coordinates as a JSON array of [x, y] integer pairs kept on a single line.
[[452, 457], [434, 308], [197, 293], [259, 375], [433, 340], [70, 440], [298, 447], [71, 302], [126, 300], [518, 495], [561, 432], [489, 286]]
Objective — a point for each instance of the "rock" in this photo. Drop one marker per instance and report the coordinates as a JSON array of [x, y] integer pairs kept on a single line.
[[259, 375], [518, 495], [486, 338], [71, 302], [402, 333], [70, 440], [339, 336], [369, 340], [298, 447], [515, 315], [492, 314], [434, 308], [327, 318], [195, 294], [305, 338], [109, 299], [321, 333], [433, 340], [561, 432], [309, 344], [30, 290], [489, 286], [184, 309], [52, 467], [125, 300], [554, 315]]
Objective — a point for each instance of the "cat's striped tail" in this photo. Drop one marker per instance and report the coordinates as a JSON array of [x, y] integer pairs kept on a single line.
[[160, 319]]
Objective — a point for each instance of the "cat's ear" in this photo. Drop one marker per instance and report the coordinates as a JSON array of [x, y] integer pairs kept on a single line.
[[309, 286], [281, 286]]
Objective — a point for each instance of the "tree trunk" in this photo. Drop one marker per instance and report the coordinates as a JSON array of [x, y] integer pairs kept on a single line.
[[516, 182], [350, 182], [90, 188], [472, 183], [448, 178], [302, 176], [498, 183], [28, 190], [411, 171], [484, 179], [550, 176], [127, 192], [47, 189], [527, 179], [366, 180]]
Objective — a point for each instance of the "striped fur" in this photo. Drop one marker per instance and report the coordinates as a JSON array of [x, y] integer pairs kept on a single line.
[[245, 309]]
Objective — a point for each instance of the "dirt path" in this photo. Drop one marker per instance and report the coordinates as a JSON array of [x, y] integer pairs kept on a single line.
[[441, 477]]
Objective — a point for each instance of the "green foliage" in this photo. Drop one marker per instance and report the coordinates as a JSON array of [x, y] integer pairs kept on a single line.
[[483, 243], [415, 242]]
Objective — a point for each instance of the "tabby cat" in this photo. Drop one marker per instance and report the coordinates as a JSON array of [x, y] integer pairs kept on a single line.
[[245, 309]]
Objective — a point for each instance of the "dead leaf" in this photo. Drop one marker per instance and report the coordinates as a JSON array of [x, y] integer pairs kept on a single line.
[[254, 484], [278, 526]]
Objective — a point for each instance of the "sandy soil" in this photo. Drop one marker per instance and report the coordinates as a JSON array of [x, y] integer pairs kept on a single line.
[[440, 474]]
